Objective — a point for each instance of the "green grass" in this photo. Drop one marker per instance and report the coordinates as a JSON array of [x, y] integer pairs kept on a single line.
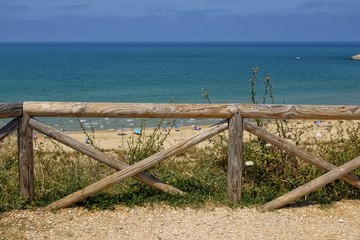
[[201, 173]]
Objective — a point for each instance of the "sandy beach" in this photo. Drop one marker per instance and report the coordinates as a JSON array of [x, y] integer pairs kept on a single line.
[[311, 130], [115, 139]]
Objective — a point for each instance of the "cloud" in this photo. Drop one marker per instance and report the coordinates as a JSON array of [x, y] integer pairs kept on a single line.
[[73, 7]]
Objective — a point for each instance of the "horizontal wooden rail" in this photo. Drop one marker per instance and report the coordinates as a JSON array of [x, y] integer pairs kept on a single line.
[[128, 110], [150, 110], [328, 112], [10, 110]]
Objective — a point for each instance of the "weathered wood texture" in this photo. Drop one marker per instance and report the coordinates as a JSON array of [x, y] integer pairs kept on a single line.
[[298, 152], [100, 156], [26, 158], [10, 110], [133, 110], [235, 158], [313, 185], [9, 128], [141, 110], [137, 167], [334, 112]]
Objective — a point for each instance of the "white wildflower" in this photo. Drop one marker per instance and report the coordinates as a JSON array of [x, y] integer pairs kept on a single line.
[[249, 163]]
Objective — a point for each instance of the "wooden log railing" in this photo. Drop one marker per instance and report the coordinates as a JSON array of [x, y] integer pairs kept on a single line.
[[11, 110], [235, 114], [149, 110]]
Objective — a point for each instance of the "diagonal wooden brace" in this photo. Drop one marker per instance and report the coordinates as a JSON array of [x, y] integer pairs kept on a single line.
[[100, 156], [9, 128], [138, 167], [313, 185], [298, 152]]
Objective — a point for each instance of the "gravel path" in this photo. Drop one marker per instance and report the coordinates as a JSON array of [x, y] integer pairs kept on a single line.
[[340, 221]]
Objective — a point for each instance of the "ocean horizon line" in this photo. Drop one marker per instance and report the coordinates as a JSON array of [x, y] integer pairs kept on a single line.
[[197, 43]]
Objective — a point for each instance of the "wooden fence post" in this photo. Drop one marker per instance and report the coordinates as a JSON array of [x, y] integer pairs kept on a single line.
[[235, 156], [26, 158]]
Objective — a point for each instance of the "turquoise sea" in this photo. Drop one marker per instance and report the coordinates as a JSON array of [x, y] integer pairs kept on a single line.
[[301, 73]]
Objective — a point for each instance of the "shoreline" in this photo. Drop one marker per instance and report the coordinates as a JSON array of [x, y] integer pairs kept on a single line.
[[115, 139], [116, 124], [312, 131]]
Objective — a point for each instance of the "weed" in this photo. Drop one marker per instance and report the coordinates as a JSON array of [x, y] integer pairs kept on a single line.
[[141, 146], [205, 95]]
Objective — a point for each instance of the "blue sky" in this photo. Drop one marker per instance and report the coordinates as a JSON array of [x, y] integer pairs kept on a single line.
[[179, 20]]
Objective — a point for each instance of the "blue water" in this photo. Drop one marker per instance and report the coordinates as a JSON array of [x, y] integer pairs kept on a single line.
[[301, 73]]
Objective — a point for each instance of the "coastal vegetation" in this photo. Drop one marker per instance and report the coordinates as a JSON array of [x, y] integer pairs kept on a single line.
[[200, 172]]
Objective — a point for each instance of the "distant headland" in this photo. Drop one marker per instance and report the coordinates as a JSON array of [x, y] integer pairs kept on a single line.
[[356, 57]]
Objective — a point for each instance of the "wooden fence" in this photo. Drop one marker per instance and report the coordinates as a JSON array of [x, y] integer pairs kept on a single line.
[[235, 121]]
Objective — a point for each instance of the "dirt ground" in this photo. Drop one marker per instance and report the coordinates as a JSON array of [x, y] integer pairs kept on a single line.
[[338, 221]]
